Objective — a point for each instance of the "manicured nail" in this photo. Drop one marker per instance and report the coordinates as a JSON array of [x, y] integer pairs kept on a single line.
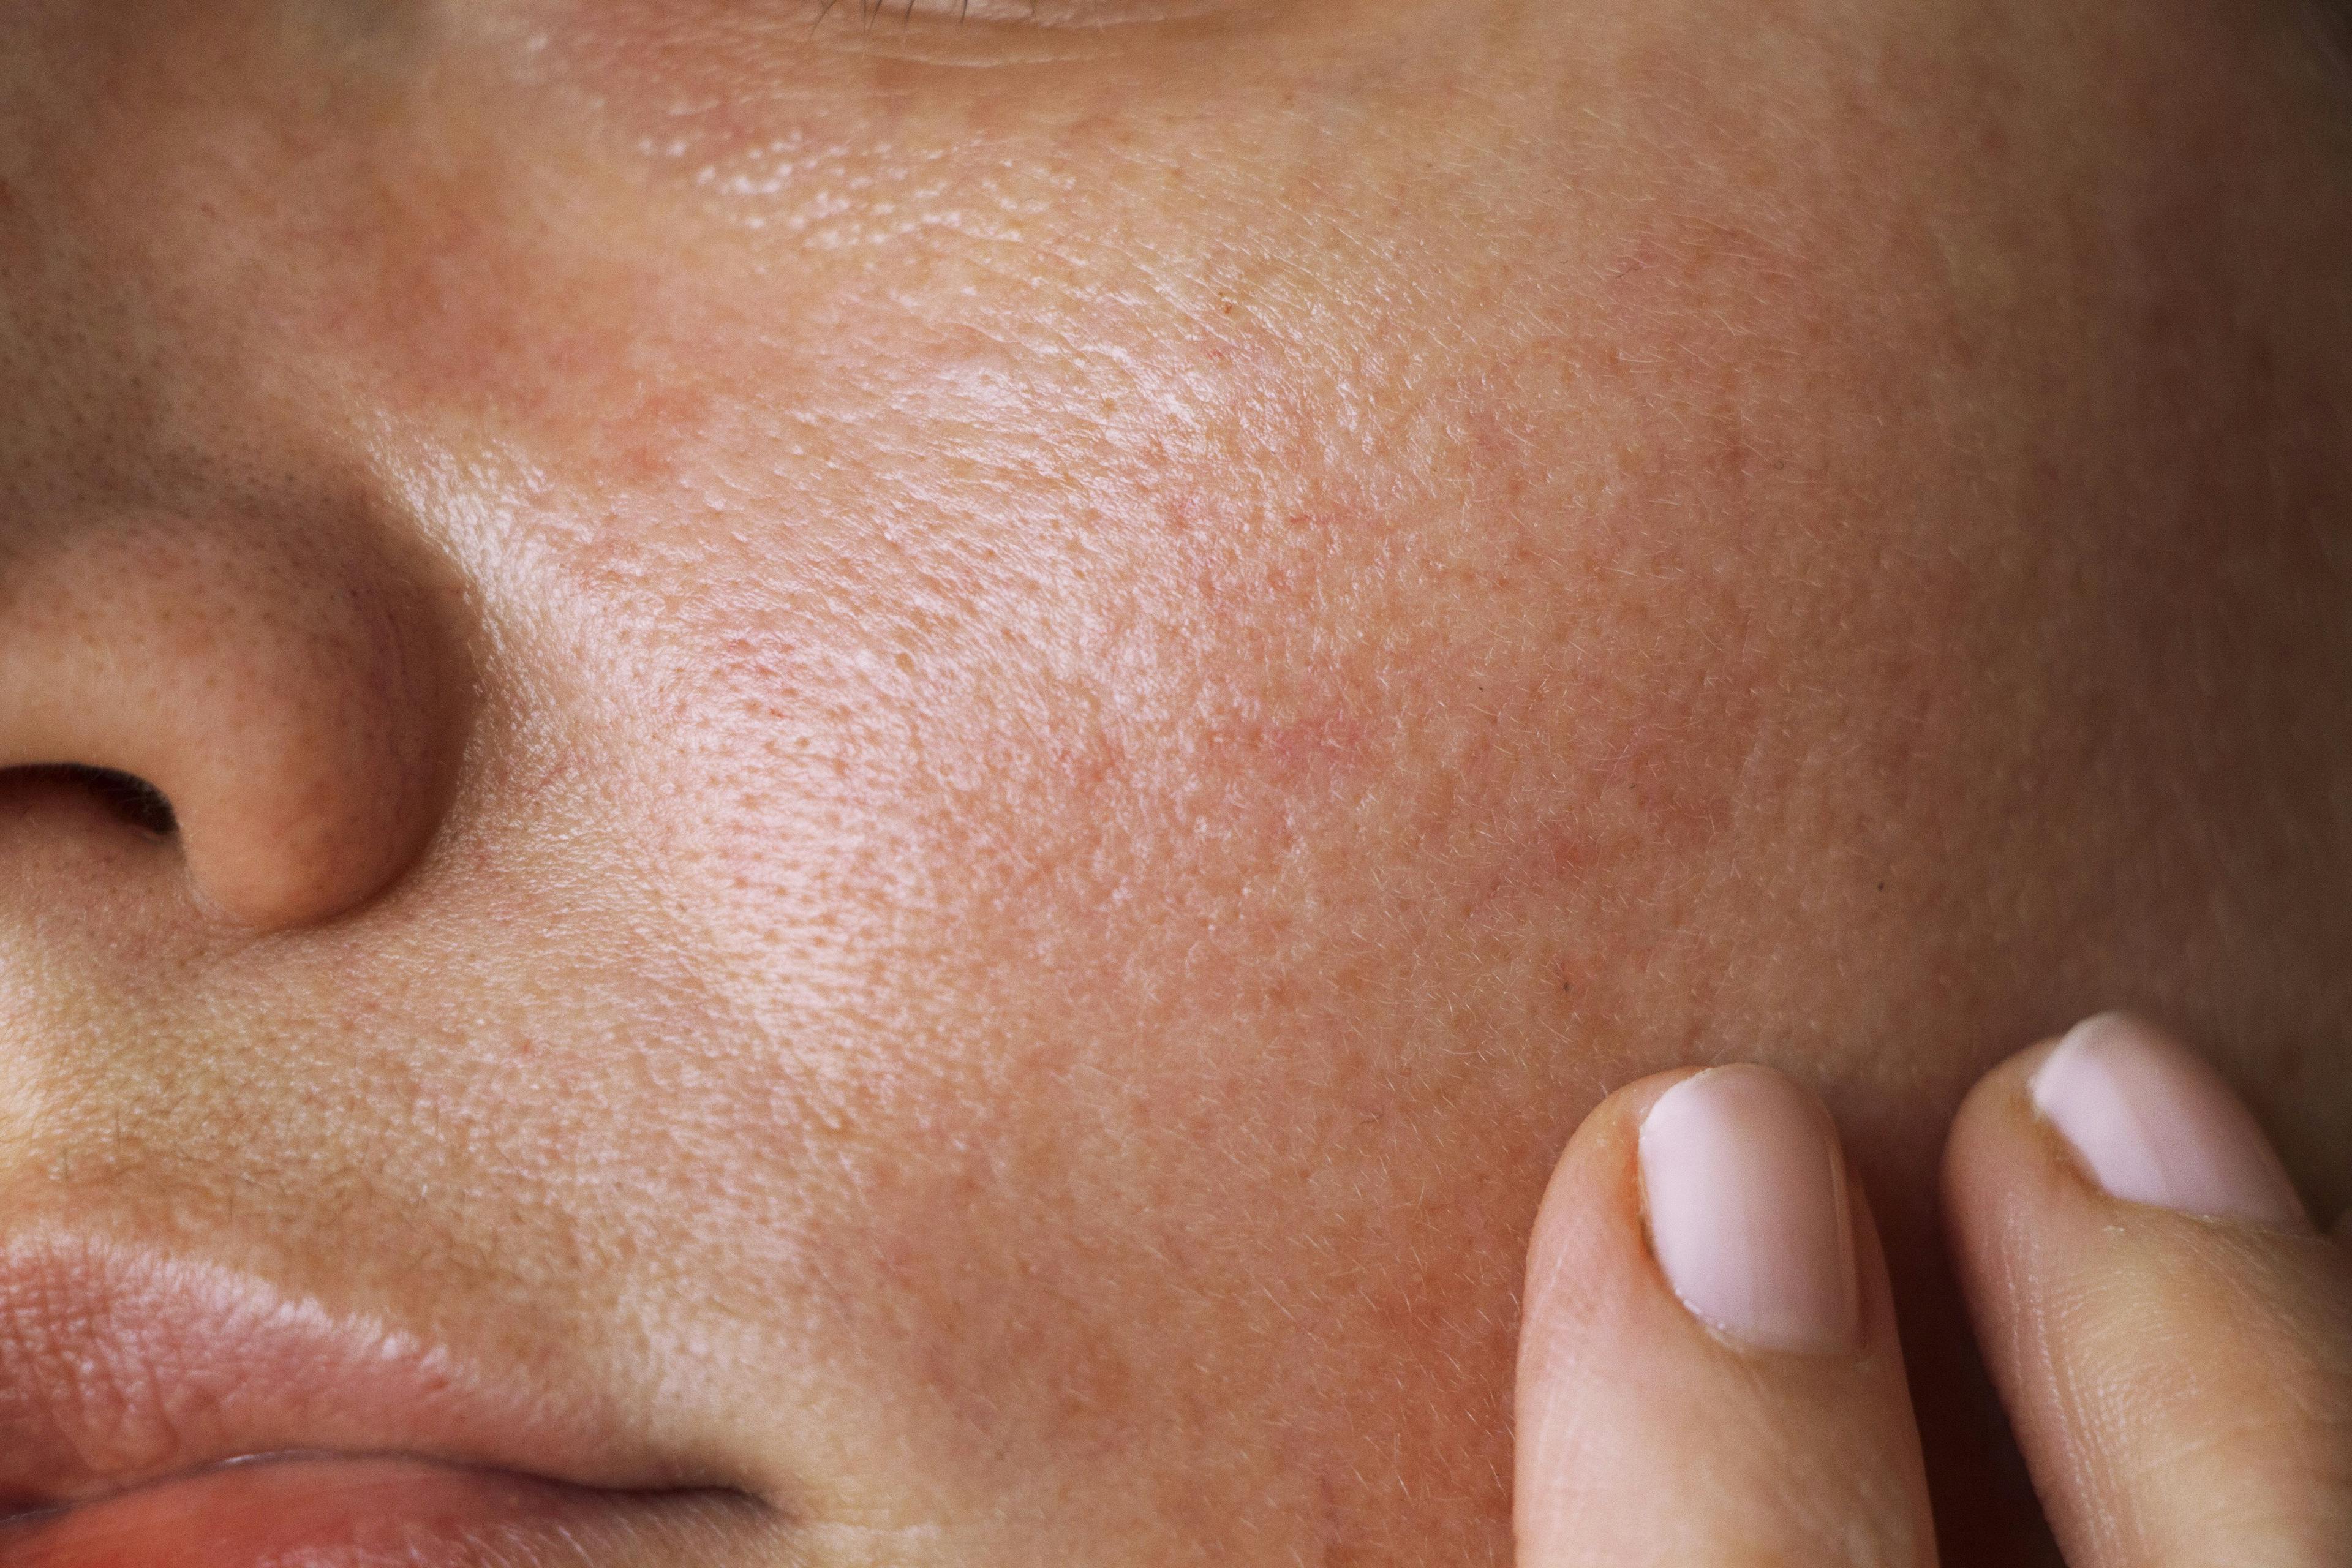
[[1745, 1194], [2155, 1125]]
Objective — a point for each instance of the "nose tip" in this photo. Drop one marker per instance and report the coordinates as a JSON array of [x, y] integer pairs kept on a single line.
[[293, 697]]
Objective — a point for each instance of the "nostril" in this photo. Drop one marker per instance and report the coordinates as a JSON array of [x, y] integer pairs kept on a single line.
[[127, 798], [138, 804]]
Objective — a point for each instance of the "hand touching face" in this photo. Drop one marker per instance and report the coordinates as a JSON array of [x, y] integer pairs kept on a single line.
[[1711, 1368]]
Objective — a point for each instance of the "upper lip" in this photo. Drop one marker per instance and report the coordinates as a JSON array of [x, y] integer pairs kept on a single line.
[[121, 1364]]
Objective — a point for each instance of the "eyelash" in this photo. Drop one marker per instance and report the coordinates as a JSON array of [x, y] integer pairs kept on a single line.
[[870, 15], [864, 14]]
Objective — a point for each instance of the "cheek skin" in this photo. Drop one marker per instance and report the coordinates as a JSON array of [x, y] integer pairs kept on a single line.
[[1306, 831], [1257, 875], [1052, 784]]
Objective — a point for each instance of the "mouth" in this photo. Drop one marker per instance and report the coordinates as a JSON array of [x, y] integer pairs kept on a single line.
[[157, 1412], [350, 1512]]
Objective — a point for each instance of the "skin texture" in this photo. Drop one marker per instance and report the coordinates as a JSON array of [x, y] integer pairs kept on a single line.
[[1073, 690]]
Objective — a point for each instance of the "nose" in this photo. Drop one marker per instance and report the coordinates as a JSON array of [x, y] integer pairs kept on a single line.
[[291, 693]]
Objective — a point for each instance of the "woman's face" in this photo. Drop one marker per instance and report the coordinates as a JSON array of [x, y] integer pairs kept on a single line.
[[922, 761]]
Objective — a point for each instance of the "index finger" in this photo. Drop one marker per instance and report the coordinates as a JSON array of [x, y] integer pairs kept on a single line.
[[1708, 1369]]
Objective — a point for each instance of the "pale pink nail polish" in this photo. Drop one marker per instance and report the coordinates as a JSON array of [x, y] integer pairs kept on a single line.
[[1747, 1203], [2155, 1125]]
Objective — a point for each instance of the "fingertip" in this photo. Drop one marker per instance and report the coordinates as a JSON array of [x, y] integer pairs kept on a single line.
[[1595, 1175], [1745, 1192], [2127, 1110], [1670, 1146], [2113, 1207], [2152, 1122], [1731, 1183], [1707, 1315], [1590, 1215]]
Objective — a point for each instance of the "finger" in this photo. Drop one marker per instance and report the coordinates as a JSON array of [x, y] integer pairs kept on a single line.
[[2171, 1336], [1732, 1395]]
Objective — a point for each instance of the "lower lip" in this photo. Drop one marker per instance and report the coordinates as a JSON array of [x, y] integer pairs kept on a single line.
[[348, 1513]]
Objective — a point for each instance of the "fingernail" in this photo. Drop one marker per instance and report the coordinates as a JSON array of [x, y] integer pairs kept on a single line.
[[2155, 1125], [1746, 1202]]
